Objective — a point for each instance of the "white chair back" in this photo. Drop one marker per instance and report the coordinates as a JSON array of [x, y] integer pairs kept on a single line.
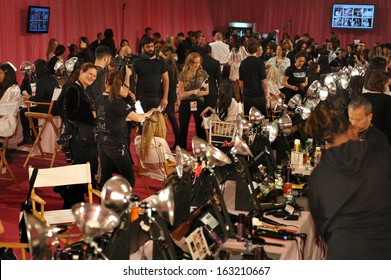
[[56, 94], [63, 175]]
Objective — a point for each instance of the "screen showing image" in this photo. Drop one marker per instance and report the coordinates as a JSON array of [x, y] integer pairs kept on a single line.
[[352, 16], [38, 19]]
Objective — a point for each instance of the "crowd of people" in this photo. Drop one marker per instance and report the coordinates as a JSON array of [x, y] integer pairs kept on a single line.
[[191, 76]]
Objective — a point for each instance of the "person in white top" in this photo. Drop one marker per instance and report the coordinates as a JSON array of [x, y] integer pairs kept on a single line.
[[9, 91], [236, 55], [152, 147], [220, 50], [273, 91], [281, 63]]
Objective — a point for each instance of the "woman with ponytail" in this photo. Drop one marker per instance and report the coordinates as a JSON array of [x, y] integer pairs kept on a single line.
[[112, 114]]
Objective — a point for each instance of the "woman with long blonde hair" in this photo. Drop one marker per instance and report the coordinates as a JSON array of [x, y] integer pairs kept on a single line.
[[154, 126], [152, 146], [192, 87], [273, 92]]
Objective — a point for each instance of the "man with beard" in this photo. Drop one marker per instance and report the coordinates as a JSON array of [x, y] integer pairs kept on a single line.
[[151, 72]]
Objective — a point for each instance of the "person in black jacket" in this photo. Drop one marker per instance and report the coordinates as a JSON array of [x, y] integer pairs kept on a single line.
[[173, 73], [212, 67], [79, 108], [58, 55], [109, 41], [86, 54], [349, 190], [44, 91]]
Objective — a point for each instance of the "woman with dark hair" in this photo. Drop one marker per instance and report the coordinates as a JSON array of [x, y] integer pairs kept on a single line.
[[109, 41], [124, 42], [226, 108], [377, 64], [58, 54], [79, 108], [45, 86], [112, 114], [237, 54], [299, 46], [313, 74], [173, 73], [281, 62], [376, 85], [85, 52], [295, 79], [351, 217], [9, 91]]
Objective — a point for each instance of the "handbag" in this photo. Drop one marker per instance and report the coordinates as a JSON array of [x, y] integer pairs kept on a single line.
[[26, 207], [84, 133]]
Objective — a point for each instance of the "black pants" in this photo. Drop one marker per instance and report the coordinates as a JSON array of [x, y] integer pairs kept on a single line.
[[211, 100], [258, 102], [170, 111], [115, 157], [81, 154], [184, 120], [27, 133], [149, 102]]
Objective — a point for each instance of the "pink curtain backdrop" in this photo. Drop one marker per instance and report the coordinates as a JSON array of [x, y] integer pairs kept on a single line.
[[70, 19]]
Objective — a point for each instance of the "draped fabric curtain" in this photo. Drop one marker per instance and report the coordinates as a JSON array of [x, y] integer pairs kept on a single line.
[[70, 19]]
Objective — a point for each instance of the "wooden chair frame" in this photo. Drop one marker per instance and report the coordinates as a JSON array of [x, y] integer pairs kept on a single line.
[[14, 245], [11, 109], [58, 176], [47, 118], [4, 162]]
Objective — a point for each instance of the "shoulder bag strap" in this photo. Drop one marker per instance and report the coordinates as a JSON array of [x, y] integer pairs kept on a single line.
[[32, 182]]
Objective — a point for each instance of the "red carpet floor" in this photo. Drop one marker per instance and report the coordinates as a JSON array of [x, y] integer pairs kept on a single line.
[[11, 199]]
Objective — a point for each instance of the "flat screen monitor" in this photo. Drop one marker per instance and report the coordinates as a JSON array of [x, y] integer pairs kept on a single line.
[[240, 27], [38, 19], [353, 16]]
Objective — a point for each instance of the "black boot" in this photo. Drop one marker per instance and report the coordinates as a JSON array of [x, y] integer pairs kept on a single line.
[[26, 140]]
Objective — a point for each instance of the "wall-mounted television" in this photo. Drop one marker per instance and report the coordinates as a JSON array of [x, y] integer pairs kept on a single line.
[[38, 19], [353, 16], [240, 27]]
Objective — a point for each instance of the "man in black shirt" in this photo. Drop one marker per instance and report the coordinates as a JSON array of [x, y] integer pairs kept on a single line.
[[149, 74], [252, 76], [103, 56], [360, 117], [96, 43], [212, 67]]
